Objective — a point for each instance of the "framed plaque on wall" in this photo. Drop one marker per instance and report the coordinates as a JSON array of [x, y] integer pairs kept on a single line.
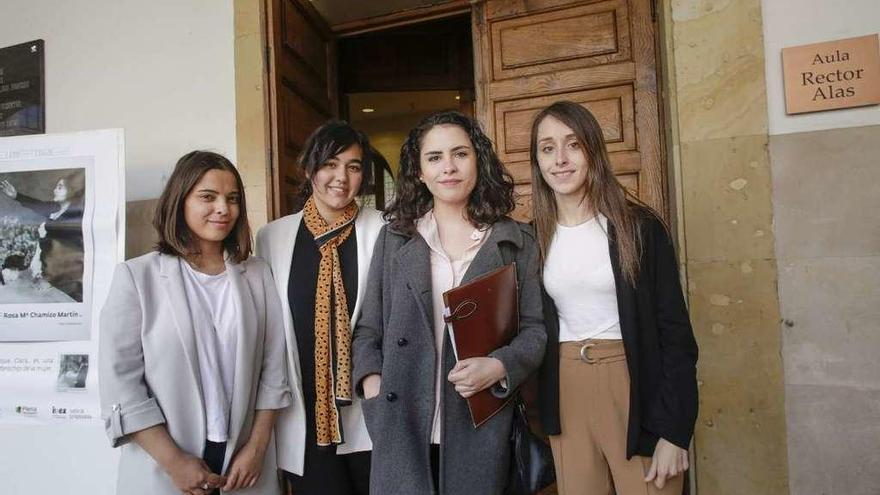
[[22, 89]]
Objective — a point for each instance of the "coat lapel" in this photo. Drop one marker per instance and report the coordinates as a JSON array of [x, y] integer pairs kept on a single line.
[[626, 300], [172, 278], [283, 243], [489, 256], [363, 261], [414, 260], [246, 339]]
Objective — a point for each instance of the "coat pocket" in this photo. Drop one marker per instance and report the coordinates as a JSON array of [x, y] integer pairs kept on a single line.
[[371, 409]]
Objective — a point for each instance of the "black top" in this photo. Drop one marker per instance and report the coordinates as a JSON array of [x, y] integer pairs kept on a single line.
[[661, 352], [61, 250], [303, 283]]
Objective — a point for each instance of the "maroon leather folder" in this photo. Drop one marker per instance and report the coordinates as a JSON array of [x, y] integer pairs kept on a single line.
[[482, 316]]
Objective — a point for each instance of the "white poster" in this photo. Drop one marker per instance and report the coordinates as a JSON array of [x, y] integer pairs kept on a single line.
[[61, 234]]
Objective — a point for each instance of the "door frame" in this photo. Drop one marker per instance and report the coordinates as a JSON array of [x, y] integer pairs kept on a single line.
[[254, 126]]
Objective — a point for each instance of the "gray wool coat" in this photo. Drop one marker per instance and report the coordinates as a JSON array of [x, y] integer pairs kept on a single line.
[[395, 338]]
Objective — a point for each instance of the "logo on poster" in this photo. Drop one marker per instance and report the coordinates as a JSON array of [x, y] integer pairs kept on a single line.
[[26, 410]]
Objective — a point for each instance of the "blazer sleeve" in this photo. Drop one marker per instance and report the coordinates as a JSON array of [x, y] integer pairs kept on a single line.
[[126, 404], [273, 391], [526, 351], [674, 412], [366, 342]]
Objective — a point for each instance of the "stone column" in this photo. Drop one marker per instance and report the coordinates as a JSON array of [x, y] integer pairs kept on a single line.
[[721, 169]]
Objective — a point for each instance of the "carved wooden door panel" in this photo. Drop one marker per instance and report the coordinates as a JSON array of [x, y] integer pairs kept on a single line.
[[302, 89], [598, 53]]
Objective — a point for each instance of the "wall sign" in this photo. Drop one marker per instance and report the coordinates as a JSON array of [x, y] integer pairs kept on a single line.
[[22, 92], [835, 74]]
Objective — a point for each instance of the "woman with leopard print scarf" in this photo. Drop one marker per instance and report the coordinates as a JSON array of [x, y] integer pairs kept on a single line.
[[320, 258]]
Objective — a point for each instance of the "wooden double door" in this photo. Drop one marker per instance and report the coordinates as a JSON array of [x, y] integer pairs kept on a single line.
[[527, 54]]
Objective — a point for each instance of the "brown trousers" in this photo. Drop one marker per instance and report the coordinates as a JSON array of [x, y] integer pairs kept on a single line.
[[590, 454]]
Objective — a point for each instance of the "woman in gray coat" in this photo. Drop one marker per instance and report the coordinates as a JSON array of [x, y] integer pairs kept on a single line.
[[447, 226]]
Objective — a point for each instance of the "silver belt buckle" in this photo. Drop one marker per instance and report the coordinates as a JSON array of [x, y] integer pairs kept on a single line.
[[585, 353]]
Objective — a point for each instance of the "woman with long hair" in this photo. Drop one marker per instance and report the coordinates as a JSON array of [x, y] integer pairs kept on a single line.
[[320, 258], [191, 361], [448, 224], [618, 389]]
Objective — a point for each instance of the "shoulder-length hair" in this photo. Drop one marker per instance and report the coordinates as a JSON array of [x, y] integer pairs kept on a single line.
[[602, 191], [327, 141], [76, 185], [491, 199], [175, 237]]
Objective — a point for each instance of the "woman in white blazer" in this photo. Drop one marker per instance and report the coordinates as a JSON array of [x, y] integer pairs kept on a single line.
[[320, 258], [192, 367]]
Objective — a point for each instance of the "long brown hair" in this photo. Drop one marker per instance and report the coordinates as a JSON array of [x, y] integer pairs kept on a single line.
[[602, 191], [491, 199], [175, 238]]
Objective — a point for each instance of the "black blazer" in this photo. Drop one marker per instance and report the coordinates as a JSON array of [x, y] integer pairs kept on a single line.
[[661, 352]]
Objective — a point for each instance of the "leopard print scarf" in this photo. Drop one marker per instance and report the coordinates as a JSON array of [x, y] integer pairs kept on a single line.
[[332, 323]]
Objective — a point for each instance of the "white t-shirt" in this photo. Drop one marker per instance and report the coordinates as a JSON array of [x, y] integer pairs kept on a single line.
[[214, 319], [579, 278]]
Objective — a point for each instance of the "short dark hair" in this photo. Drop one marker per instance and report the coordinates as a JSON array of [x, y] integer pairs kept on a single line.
[[327, 141], [491, 199], [175, 238]]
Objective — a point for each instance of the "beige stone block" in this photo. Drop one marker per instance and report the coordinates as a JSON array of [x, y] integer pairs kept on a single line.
[[727, 199], [740, 438], [719, 68], [251, 110], [248, 17]]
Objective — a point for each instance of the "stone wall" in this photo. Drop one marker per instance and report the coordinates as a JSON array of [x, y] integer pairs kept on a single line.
[[721, 168]]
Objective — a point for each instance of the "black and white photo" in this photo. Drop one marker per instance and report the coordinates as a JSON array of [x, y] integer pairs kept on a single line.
[[73, 370], [41, 236]]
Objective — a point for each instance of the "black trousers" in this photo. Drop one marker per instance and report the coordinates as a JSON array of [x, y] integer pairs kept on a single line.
[[214, 454], [326, 473], [435, 466]]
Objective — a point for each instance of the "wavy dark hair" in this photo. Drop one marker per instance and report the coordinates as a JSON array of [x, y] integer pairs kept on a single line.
[[491, 199], [175, 238], [327, 141], [602, 191]]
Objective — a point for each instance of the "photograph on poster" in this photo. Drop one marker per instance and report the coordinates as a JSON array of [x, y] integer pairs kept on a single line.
[[73, 369], [41, 236]]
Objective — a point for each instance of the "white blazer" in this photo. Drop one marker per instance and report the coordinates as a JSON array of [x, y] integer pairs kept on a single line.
[[275, 243], [149, 368]]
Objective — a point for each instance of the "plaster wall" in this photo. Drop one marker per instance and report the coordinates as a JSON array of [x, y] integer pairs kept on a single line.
[[162, 70], [721, 171], [825, 190], [827, 242]]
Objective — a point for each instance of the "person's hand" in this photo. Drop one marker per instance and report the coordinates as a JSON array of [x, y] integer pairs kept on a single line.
[[191, 474], [41, 230], [668, 462], [475, 374], [245, 468], [371, 385], [8, 189]]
